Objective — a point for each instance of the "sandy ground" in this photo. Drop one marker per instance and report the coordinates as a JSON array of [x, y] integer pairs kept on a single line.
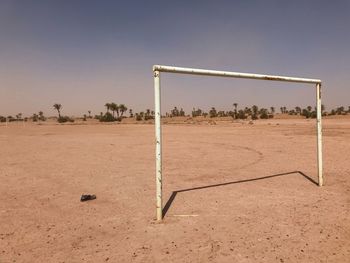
[[233, 193]]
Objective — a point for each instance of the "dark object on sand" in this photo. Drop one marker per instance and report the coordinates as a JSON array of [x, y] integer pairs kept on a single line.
[[84, 198]]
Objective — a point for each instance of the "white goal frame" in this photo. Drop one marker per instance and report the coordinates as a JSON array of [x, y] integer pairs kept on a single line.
[[158, 129]]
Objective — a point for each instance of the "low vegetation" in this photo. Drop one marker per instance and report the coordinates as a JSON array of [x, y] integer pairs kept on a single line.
[[116, 112], [61, 119]]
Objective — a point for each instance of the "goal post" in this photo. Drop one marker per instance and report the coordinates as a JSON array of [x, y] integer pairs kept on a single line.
[[157, 69]]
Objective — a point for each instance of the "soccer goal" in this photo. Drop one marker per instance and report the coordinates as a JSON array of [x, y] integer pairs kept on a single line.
[[157, 69]]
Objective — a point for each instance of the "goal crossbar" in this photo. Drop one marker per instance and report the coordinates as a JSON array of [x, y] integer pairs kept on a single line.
[[158, 131], [217, 73]]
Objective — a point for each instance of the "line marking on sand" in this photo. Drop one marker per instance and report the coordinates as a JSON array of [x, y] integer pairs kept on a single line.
[[185, 215]]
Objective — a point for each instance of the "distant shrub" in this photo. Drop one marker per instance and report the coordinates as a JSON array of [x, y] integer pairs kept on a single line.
[[306, 113], [138, 117], [35, 117], [2, 119], [241, 115], [63, 119], [149, 117], [10, 118], [254, 117], [313, 115], [108, 117], [264, 115]]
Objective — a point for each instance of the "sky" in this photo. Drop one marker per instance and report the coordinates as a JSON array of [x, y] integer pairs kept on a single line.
[[83, 54]]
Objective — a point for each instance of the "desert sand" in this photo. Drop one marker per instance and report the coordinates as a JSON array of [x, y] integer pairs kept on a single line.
[[233, 191]]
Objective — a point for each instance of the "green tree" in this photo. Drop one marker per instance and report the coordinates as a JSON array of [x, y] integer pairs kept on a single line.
[[41, 116], [138, 117], [58, 107], [241, 115], [306, 113], [212, 112], [255, 110], [263, 114], [247, 111], [182, 112], [340, 110], [235, 112], [35, 117], [175, 112], [122, 109], [117, 110], [196, 113], [108, 106], [113, 107]]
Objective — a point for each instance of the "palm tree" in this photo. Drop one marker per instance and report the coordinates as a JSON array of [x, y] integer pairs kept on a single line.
[[113, 107], [41, 116], [35, 117], [255, 110], [247, 111], [182, 112], [235, 105], [89, 111], [122, 109], [340, 110], [298, 110], [117, 109], [108, 106], [272, 110], [130, 113], [212, 112], [175, 112], [58, 107]]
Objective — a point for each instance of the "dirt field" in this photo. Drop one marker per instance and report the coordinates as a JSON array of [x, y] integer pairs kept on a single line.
[[233, 193]]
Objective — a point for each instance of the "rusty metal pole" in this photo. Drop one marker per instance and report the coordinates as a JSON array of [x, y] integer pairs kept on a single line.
[[158, 138], [319, 135]]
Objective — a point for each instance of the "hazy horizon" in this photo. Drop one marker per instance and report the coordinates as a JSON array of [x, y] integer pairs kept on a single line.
[[83, 54]]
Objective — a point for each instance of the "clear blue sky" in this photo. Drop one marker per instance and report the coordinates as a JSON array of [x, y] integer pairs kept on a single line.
[[85, 53]]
